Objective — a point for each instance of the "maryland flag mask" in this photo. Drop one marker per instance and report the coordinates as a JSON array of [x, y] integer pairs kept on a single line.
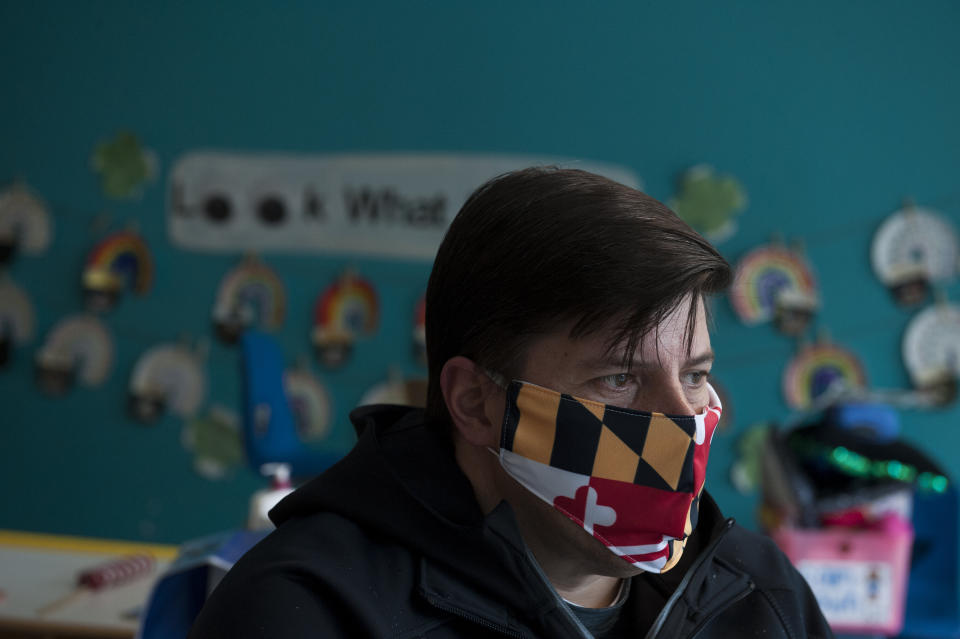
[[629, 478]]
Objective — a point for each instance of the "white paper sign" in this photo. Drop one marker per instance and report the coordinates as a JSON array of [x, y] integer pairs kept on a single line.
[[851, 592], [393, 205]]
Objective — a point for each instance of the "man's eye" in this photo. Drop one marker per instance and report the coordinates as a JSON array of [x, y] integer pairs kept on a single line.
[[697, 378], [620, 380]]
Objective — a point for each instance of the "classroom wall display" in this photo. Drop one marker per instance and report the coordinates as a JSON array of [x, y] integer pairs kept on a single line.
[[78, 348], [773, 282], [709, 202], [366, 81], [25, 223], [818, 369], [17, 322], [913, 248], [121, 261], [124, 165], [388, 205], [345, 310], [251, 295], [167, 378], [931, 351]]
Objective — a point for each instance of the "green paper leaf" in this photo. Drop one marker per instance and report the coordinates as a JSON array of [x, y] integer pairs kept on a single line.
[[708, 202], [123, 164]]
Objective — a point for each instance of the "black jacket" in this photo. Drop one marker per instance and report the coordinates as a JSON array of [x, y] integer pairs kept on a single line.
[[390, 542]]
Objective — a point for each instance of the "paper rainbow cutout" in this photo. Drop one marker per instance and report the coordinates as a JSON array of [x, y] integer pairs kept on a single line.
[[175, 374], [348, 307], [814, 369], [25, 215], [83, 342], [762, 275], [310, 404], [254, 292], [124, 255], [16, 312]]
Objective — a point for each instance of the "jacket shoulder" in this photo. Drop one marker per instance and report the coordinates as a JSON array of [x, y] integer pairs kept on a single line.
[[758, 556], [776, 582], [319, 575]]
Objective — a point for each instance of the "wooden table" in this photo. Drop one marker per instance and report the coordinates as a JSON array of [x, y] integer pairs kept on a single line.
[[37, 569]]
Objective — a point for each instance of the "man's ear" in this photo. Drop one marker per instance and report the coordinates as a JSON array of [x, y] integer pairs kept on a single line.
[[471, 398]]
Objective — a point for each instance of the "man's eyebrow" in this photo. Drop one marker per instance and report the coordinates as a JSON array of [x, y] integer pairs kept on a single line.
[[703, 358], [615, 361]]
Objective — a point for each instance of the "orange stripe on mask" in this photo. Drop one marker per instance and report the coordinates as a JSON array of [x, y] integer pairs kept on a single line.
[[537, 426]]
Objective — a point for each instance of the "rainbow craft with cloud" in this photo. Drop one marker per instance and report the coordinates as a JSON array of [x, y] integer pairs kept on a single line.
[[766, 274], [25, 219], [815, 369], [175, 374], [82, 343], [123, 257], [17, 318], [310, 404], [348, 307], [252, 294]]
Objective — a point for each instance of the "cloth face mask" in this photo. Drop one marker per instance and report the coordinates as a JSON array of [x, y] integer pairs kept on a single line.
[[631, 479]]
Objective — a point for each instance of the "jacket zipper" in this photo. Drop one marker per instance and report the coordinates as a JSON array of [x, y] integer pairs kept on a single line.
[[698, 562], [584, 633], [469, 616]]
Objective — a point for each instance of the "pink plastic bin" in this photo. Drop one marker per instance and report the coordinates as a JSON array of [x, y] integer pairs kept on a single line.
[[859, 577]]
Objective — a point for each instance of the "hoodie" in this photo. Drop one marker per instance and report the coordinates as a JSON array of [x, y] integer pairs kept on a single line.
[[390, 542]]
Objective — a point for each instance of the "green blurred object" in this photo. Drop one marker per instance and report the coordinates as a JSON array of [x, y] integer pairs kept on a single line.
[[124, 165], [745, 473], [854, 464], [214, 439], [709, 203]]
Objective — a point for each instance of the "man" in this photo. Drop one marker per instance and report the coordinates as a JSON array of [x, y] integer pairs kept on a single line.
[[544, 492]]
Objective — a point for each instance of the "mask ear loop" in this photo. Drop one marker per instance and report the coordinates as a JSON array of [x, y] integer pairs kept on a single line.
[[501, 382]]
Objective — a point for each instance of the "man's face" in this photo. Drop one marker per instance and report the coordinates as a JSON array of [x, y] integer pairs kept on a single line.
[[664, 377]]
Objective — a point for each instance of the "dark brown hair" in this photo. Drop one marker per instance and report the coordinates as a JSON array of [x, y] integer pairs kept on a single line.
[[541, 246]]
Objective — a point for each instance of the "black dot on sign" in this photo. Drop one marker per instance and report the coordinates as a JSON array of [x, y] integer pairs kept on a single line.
[[217, 209], [271, 211]]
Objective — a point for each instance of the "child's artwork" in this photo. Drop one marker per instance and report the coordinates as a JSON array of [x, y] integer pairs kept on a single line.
[[121, 261], [912, 249], [346, 310], [819, 368], [709, 202], [775, 283], [931, 351], [17, 323], [78, 348], [167, 378], [251, 295]]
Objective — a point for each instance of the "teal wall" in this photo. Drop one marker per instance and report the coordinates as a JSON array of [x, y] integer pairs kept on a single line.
[[829, 113]]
